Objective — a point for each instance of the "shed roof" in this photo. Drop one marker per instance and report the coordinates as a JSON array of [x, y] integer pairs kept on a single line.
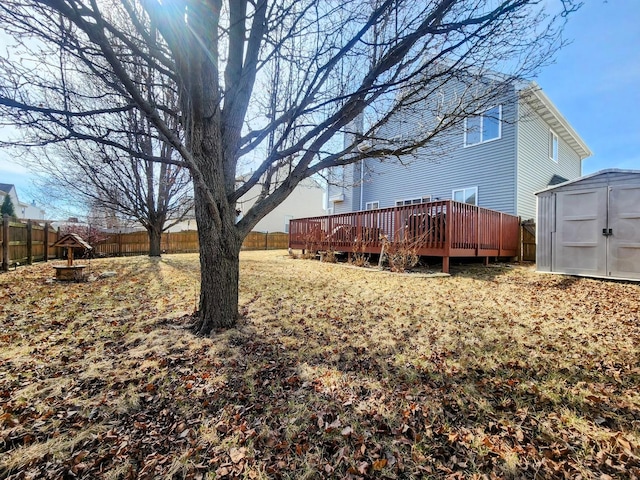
[[591, 175], [543, 105], [72, 240]]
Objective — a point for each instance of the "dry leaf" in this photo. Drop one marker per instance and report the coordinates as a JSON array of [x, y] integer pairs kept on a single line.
[[237, 454]]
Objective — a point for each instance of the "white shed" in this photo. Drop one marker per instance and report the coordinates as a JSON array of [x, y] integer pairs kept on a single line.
[[591, 226]]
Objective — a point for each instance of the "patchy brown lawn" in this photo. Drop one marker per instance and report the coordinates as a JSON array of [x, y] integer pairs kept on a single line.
[[333, 372]]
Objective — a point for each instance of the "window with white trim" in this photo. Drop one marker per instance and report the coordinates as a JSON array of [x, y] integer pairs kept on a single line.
[[553, 146], [372, 205], [413, 201], [484, 127], [466, 195]]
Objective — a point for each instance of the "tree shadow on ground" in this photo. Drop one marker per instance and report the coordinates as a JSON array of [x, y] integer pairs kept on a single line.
[[363, 411]]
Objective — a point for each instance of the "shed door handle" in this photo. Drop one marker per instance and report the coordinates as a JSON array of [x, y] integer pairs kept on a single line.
[[606, 232]]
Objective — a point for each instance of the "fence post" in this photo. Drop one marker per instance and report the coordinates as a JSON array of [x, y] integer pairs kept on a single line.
[[29, 242], [119, 244], [266, 240], [58, 253], [5, 242], [45, 243]]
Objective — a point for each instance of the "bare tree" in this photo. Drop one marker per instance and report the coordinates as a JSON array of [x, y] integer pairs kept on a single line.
[[112, 184], [339, 58]]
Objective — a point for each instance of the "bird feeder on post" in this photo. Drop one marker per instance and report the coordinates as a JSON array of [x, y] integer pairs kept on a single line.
[[71, 241]]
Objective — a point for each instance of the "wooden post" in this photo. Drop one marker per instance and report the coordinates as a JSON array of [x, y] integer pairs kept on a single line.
[[477, 230], [445, 264], [448, 227], [266, 240], [29, 242], [5, 242], [119, 244], [520, 248], [45, 243], [500, 241]]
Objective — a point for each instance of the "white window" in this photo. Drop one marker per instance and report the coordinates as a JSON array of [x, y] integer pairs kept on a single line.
[[484, 127], [287, 219], [466, 195], [413, 201], [372, 205], [553, 146]]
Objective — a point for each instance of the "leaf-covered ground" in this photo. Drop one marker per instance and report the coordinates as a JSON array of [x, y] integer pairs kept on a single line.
[[333, 372]]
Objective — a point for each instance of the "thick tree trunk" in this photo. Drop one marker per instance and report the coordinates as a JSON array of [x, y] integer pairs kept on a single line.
[[219, 273], [155, 239]]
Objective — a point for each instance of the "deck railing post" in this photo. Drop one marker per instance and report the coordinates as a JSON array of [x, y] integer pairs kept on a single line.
[[396, 224], [449, 236], [501, 240], [477, 222]]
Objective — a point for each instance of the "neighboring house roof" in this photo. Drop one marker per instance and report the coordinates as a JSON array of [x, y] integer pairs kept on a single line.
[[595, 174], [557, 179], [539, 101], [6, 187]]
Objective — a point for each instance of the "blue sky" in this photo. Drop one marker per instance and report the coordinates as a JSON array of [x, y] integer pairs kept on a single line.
[[594, 82]]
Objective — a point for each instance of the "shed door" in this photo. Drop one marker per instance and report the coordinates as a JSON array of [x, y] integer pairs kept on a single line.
[[624, 241], [578, 244]]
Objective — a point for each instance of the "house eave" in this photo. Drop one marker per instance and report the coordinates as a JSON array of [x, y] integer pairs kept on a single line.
[[543, 106]]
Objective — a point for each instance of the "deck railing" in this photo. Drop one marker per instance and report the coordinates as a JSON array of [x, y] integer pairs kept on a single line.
[[442, 228]]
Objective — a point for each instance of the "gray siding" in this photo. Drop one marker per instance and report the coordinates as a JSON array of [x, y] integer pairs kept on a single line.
[[344, 181], [437, 171], [535, 168]]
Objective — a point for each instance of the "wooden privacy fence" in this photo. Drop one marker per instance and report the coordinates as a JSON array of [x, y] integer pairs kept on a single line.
[[26, 242], [441, 229], [137, 243], [266, 241], [528, 236]]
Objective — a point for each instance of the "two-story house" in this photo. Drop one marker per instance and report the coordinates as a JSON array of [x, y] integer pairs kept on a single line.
[[23, 210], [496, 159]]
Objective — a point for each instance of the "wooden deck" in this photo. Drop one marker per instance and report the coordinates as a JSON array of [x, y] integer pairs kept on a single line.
[[441, 229]]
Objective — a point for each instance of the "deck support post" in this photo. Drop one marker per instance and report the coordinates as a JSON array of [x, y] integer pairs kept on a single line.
[[445, 264], [486, 261]]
